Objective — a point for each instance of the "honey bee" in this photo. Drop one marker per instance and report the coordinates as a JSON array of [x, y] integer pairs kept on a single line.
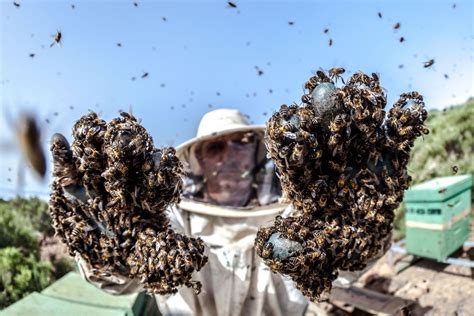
[[396, 26], [322, 200], [318, 154], [57, 39], [290, 232], [330, 42], [307, 98], [334, 139], [378, 114], [405, 130], [391, 200], [336, 73], [428, 63], [368, 95], [311, 83], [455, 169], [29, 139], [303, 232], [267, 251]]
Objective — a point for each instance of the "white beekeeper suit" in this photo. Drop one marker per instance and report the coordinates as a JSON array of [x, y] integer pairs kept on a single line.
[[235, 281]]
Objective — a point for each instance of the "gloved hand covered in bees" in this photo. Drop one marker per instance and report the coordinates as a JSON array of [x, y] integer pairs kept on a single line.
[[342, 163], [108, 201]]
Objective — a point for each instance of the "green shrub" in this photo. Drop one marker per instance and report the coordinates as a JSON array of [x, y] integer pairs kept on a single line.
[[449, 143], [21, 275], [22, 222]]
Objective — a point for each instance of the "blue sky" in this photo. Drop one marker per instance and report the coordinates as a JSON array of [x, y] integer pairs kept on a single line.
[[204, 57]]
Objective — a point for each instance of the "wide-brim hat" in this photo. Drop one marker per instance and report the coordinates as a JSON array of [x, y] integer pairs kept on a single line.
[[217, 123]]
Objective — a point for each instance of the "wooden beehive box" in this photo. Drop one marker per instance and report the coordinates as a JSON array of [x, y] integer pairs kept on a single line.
[[438, 216]]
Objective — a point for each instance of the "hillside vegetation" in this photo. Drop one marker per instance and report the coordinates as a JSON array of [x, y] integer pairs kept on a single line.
[[449, 144]]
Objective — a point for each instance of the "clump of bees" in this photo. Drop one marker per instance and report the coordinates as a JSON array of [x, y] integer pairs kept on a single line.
[[110, 192], [345, 172]]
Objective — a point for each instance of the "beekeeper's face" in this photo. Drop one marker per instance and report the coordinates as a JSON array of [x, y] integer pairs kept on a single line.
[[228, 162]]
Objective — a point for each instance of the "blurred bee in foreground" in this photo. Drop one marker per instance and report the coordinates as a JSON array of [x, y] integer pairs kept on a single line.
[[29, 138]]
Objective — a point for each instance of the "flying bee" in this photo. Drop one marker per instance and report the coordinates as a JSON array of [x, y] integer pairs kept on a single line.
[[455, 169], [396, 26], [330, 42], [231, 4], [16, 4], [379, 14], [29, 138], [57, 39], [402, 39], [336, 73], [428, 63], [145, 75]]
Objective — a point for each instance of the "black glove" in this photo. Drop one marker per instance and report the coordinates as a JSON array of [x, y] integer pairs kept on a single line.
[[108, 202], [342, 164]]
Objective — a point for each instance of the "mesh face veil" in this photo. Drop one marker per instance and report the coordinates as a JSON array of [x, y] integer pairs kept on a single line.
[[228, 163]]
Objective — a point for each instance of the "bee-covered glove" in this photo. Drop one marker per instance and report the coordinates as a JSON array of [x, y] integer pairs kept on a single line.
[[342, 163], [109, 195]]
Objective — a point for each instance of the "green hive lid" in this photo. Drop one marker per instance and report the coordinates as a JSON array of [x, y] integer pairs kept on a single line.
[[438, 189], [74, 288], [40, 304]]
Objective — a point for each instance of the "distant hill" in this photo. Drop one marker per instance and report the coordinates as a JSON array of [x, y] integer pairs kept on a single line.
[[450, 143]]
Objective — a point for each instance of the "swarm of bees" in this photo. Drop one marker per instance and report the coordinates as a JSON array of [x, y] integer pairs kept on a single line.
[[108, 201], [345, 173]]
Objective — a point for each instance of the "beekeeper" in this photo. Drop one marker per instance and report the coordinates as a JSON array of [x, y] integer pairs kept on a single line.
[[231, 189]]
